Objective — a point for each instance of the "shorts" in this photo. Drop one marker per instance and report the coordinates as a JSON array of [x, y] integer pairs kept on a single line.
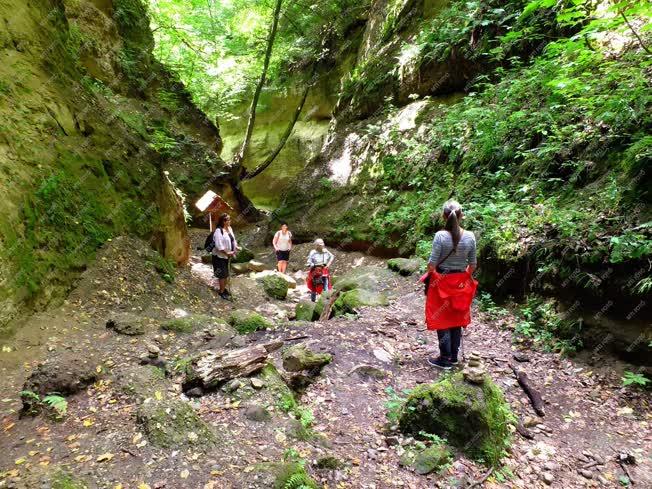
[[220, 267], [283, 255]]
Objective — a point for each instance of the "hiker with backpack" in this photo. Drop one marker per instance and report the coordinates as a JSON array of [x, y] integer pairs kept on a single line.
[[450, 286], [225, 247], [282, 243]]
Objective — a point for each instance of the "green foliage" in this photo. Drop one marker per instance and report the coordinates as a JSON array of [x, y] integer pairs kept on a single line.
[[630, 246], [548, 329], [394, 404], [163, 142], [165, 267], [488, 306], [57, 403], [217, 48], [54, 404], [64, 480], [635, 379]]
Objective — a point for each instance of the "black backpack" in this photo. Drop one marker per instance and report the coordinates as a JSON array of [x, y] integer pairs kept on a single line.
[[209, 244]]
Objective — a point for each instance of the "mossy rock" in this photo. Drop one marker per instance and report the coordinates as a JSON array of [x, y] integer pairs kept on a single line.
[[141, 381], [274, 286], [473, 418], [323, 299], [188, 324], [243, 256], [173, 423], [245, 321], [127, 324], [299, 357], [293, 475], [349, 301], [433, 458], [305, 311], [64, 480], [406, 266], [329, 462], [367, 278]]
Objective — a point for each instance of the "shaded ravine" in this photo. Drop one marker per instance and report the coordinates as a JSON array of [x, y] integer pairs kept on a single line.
[[587, 410]]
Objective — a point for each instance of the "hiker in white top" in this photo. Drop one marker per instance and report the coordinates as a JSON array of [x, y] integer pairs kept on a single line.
[[226, 247], [282, 243], [319, 261]]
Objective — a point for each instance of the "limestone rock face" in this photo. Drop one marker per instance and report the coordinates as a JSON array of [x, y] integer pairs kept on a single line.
[[300, 357], [473, 418]]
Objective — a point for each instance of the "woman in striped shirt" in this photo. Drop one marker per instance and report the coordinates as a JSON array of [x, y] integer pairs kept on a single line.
[[451, 286]]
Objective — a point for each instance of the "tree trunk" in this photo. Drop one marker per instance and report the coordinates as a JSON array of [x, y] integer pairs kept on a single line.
[[216, 367], [286, 135], [240, 155]]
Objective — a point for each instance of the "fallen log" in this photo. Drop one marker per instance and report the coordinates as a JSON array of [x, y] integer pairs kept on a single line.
[[216, 367], [535, 397]]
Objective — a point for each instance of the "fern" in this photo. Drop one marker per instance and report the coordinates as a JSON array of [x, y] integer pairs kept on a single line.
[[58, 403], [298, 481]]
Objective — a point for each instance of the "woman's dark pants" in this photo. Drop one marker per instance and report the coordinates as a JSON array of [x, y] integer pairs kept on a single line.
[[449, 342]]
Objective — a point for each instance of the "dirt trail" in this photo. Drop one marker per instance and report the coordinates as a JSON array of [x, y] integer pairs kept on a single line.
[[589, 416]]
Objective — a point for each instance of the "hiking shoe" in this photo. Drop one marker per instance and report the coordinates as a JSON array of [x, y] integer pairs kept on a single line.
[[440, 363], [454, 361], [224, 295]]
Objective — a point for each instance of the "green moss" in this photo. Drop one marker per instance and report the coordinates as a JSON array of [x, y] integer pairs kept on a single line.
[[192, 323], [274, 286], [305, 311], [434, 458], [300, 357], [245, 321], [63, 480], [349, 301], [293, 475], [473, 418], [172, 423]]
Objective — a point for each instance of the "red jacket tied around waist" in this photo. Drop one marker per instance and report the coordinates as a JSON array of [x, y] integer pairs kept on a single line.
[[448, 301]]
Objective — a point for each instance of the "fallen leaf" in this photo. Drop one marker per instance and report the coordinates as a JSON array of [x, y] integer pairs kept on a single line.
[[185, 473], [158, 395], [104, 457], [88, 422], [19, 461]]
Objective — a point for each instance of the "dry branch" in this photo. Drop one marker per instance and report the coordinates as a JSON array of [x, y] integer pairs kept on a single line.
[[532, 392]]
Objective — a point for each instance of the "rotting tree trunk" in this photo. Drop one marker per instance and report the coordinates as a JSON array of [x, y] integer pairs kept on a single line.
[[286, 135], [240, 155], [216, 367]]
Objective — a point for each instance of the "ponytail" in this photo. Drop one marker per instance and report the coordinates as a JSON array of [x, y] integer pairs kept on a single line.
[[453, 213]]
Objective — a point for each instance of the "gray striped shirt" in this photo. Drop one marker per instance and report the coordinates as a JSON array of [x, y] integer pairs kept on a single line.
[[442, 244]]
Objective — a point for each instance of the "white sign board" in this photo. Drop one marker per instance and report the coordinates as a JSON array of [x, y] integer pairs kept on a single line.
[[206, 200]]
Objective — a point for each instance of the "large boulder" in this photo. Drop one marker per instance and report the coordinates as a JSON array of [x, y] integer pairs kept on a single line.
[[300, 357], [406, 266], [171, 423], [349, 301], [473, 418], [245, 321], [274, 285]]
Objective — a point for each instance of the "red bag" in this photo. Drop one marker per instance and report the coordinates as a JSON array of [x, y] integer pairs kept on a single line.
[[448, 299]]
